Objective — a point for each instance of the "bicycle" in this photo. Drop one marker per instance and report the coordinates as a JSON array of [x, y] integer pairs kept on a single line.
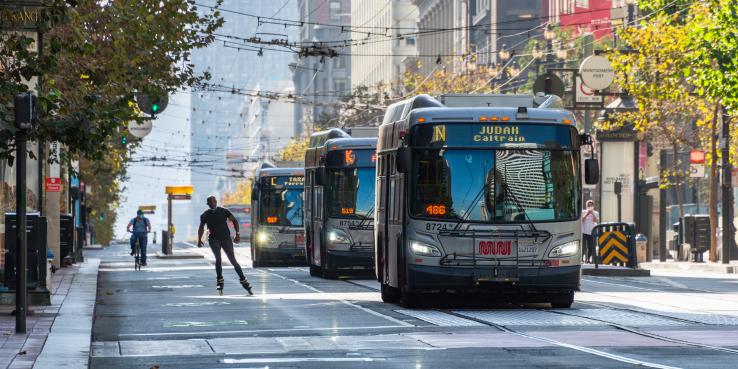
[[136, 254]]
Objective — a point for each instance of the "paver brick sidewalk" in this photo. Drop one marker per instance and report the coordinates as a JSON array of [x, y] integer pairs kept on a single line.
[[21, 350]]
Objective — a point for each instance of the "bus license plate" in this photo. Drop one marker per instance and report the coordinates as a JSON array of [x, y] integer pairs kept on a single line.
[[494, 248], [299, 238]]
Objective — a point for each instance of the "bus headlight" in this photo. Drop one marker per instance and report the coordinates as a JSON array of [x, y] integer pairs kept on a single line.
[[338, 236], [564, 250], [264, 238], [424, 249]]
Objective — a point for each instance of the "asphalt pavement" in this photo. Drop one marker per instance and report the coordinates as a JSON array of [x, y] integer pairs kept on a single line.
[[169, 315]]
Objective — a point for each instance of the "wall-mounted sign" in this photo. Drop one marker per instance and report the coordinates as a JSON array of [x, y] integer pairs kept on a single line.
[[53, 184]]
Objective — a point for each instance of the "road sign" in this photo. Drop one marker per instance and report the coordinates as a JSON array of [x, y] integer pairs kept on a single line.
[[180, 197], [585, 94], [697, 157], [140, 129], [597, 72], [179, 190], [697, 171], [613, 247], [549, 84], [53, 184], [147, 209]]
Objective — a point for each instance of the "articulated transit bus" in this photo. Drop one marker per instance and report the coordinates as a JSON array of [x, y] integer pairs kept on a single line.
[[339, 216], [479, 199], [277, 234]]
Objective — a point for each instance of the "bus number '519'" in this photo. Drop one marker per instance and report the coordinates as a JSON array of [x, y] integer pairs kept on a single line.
[[494, 248]]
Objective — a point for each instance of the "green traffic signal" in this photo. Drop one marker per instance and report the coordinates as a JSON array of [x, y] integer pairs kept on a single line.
[[155, 107], [124, 140]]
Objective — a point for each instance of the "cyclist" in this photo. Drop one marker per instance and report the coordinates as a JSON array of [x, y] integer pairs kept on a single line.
[[140, 227], [219, 237]]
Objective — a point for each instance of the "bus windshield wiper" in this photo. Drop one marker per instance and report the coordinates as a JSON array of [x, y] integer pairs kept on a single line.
[[467, 212], [365, 218], [508, 191]]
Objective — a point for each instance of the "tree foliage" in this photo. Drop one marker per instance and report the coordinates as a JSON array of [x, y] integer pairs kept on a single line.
[[97, 56], [242, 194], [294, 150]]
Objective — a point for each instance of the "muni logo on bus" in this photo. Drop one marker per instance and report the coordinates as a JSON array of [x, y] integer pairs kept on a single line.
[[494, 247]]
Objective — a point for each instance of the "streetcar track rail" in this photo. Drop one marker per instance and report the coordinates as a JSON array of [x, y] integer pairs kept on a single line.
[[589, 350]]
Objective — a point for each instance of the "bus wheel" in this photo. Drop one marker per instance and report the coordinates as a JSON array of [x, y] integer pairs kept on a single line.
[[563, 301], [409, 299], [390, 294], [315, 271]]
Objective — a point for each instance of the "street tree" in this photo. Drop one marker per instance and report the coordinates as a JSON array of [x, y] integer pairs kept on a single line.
[[96, 57], [655, 72]]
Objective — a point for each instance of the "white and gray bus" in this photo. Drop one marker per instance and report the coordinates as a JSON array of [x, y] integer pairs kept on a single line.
[[339, 208], [479, 199], [277, 234]]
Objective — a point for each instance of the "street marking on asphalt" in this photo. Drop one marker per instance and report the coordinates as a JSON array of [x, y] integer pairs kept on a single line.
[[268, 360], [349, 303], [625, 317], [592, 351], [215, 323], [257, 331], [193, 304], [178, 286], [439, 318], [672, 283]]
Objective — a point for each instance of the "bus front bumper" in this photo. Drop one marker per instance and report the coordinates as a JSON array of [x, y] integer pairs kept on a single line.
[[350, 259], [523, 279], [283, 254]]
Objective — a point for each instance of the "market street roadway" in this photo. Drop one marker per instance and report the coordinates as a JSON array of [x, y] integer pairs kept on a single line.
[[170, 315]]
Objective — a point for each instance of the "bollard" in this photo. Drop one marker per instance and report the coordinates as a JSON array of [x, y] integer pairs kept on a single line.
[[641, 247]]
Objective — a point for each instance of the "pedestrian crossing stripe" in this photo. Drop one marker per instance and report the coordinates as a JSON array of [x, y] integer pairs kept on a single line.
[[613, 246]]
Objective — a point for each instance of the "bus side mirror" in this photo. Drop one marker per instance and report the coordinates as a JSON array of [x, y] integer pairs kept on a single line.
[[320, 177], [403, 160], [591, 171]]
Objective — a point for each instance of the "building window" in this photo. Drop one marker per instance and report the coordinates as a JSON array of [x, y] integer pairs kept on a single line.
[[410, 41], [335, 10]]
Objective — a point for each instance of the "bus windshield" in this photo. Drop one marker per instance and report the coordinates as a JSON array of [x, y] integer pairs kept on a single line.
[[495, 186], [350, 192], [280, 201]]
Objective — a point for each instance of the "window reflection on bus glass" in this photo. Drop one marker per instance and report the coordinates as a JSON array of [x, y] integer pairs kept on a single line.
[[495, 185], [351, 192]]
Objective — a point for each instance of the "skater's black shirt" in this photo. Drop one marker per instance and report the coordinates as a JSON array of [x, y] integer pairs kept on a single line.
[[217, 221]]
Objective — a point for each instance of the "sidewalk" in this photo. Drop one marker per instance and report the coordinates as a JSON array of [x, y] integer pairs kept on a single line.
[[686, 266], [58, 336]]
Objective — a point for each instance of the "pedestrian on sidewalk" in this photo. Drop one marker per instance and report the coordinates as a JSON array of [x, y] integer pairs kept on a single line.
[[139, 227], [590, 218], [219, 237]]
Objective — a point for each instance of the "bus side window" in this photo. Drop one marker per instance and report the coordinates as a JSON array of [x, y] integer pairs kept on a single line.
[[318, 202]]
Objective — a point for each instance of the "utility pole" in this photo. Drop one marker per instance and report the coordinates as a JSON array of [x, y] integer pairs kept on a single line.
[[728, 234]]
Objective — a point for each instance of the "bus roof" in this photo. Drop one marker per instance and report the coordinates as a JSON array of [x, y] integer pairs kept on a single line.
[[319, 139], [514, 114], [351, 143], [277, 172]]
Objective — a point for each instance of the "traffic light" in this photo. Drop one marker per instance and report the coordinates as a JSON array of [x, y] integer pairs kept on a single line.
[[124, 140], [152, 104]]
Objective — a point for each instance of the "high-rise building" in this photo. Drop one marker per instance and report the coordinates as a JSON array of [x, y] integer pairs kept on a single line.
[[501, 24], [451, 18], [223, 136], [320, 81], [384, 56]]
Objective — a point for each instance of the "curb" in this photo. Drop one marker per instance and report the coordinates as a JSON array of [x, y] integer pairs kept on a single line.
[[179, 255], [68, 343], [616, 272]]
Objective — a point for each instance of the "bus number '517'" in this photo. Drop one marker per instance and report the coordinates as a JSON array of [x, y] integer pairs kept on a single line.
[[494, 247]]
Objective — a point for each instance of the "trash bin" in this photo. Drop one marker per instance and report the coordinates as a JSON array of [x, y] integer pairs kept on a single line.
[[35, 249], [641, 248], [164, 241], [66, 239]]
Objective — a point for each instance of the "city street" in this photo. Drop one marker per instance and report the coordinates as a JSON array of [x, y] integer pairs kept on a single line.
[[170, 315]]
